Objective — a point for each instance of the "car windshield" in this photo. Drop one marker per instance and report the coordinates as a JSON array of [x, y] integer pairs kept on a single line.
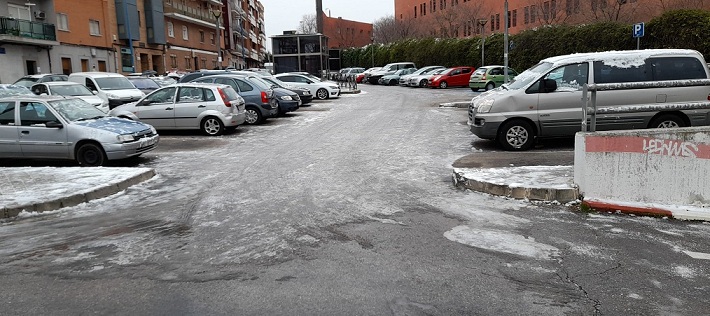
[[70, 90], [76, 109], [400, 72], [8, 90], [528, 76], [26, 82], [480, 71], [144, 83], [114, 83], [263, 85], [275, 82]]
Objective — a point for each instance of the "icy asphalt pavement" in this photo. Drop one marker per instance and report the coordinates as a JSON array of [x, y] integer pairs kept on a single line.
[[343, 208]]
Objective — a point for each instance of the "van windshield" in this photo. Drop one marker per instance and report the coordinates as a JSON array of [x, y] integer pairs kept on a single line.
[[528, 76], [114, 83]]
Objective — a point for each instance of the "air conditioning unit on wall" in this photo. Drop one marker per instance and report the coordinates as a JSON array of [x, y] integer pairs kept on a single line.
[[40, 15]]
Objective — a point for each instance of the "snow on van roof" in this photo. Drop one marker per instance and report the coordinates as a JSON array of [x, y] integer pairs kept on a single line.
[[620, 59]]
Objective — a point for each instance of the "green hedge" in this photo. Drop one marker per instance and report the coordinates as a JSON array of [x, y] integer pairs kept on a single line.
[[688, 29]]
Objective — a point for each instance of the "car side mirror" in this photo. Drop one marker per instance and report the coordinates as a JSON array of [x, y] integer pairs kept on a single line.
[[94, 92], [548, 85], [54, 124], [145, 102]]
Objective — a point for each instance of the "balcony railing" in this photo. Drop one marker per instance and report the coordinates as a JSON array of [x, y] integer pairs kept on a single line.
[[186, 10], [27, 29]]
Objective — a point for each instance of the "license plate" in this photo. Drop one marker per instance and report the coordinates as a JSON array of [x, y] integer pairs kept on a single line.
[[147, 142]]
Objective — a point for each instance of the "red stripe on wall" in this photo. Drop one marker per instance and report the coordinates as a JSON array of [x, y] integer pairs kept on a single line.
[[647, 145], [637, 210]]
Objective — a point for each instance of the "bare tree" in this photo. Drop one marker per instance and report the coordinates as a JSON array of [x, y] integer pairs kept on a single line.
[[611, 11], [457, 20], [552, 12], [388, 29], [308, 24]]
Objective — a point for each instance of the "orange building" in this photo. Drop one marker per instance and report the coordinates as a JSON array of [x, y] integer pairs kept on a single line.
[[462, 18], [191, 37], [346, 33]]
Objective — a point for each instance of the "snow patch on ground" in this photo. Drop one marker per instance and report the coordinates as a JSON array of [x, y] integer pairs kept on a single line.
[[684, 271], [501, 241], [546, 177]]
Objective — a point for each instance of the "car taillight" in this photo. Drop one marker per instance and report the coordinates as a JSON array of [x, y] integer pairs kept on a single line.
[[264, 97], [708, 97], [224, 98], [483, 77]]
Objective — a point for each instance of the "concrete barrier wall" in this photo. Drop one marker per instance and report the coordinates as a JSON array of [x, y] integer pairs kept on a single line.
[[660, 169]]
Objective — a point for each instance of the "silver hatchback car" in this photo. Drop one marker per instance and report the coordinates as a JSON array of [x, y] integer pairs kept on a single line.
[[212, 108], [53, 127]]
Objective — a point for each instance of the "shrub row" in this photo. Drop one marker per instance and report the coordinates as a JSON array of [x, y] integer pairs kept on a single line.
[[688, 29]]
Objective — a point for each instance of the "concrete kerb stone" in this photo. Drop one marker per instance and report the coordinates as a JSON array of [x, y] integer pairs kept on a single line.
[[76, 199], [536, 194]]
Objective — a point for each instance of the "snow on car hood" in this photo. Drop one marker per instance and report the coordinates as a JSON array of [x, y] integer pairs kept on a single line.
[[115, 125]]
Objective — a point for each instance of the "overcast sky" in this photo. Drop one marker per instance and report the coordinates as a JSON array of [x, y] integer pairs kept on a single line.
[[282, 15]]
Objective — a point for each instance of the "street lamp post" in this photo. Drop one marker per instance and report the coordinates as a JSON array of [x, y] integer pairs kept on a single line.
[[482, 23], [372, 50], [505, 44], [217, 14]]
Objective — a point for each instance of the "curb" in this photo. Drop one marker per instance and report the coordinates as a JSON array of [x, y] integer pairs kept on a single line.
[[350, 91], [460, 105], [649, 209], [537, 194], [76, 199]]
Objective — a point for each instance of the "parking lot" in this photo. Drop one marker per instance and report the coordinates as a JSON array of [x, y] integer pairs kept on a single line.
[[343, 207]]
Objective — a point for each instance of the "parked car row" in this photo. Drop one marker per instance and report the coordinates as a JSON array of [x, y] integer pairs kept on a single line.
[[95, 117]]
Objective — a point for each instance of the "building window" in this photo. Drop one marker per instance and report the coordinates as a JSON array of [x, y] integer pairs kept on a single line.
[[202, 36], [18, 12], [546, 11], [533, 14], [171, 31], [553, 8], [515, 18], [493, 21], [185, 33], [433, 6], [173, 61], [204, 63], [526, 15], [94, 28], [415, 12], [62, 22], [212, 38], [497, 21], [424, 10], [188, 63]]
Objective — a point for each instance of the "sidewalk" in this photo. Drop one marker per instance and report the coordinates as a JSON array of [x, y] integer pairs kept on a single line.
[[41, 189], [542, 176]]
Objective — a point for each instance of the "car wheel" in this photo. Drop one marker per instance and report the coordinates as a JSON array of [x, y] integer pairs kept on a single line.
[[423, 83], [667, 121], [490, 86], [322, 94], [516, 135], [253, 116], [443, 85], [474, 89], [393, 82], [90, 155], [212, 126]]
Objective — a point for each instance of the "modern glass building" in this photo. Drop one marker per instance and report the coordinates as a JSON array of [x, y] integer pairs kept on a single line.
[[300, 52]]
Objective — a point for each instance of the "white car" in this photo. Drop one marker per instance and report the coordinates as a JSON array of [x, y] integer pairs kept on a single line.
[[70, 89], [321, 90]]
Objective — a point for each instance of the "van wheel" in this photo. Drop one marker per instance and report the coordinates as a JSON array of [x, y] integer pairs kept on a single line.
[[253, 116], [490, 86], [667, 121], [516, 135], [443, 85], [90, 155], [212, 126]]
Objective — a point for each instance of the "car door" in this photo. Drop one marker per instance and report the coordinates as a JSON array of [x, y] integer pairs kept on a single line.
[[461, 79], [560, 111], [158, 108], [35, 138], [191, 101], [9, 133]]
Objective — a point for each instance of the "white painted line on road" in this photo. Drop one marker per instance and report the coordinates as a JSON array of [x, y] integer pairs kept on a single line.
[[698, 255]]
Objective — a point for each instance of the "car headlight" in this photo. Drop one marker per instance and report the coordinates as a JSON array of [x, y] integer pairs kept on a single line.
[[485, 106], [152, 129], [125, 138], [286, 98], [436, 78], [334, 87], [112, 96]]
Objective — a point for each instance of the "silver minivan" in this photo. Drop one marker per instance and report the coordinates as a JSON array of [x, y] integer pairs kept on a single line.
[[545, 101]]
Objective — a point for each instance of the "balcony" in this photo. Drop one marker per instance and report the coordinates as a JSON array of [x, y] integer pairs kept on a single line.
[[27, 32], [189, 14]]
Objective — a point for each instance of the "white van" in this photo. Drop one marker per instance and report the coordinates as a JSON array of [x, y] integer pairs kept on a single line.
[[114, 88], [546, 100]]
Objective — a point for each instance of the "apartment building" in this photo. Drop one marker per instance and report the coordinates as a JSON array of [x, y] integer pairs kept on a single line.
[[246, 41], [85, 30], [27, 38], [192, 36], [463, 18], [344, 33]]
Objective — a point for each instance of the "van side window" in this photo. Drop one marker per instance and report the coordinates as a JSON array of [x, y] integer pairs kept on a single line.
[[570, 77], [90, 84], [613, 74], [7, 113], [677, 68]]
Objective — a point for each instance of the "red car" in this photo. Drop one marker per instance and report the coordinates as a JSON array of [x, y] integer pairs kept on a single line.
[[359, 78], [452, 77]]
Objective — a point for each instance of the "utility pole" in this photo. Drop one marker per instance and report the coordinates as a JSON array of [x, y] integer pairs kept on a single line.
[[505, 44], [217, 14], [482, 23]]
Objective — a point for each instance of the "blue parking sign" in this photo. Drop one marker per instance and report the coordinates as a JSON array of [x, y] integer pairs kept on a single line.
[[638, 29]]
